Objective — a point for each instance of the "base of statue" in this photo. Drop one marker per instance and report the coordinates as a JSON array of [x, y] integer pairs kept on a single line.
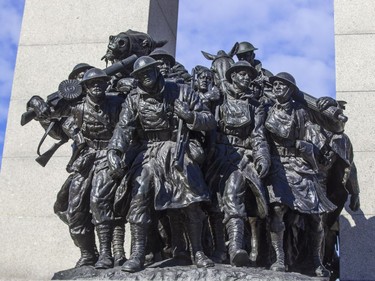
[[219, 272]]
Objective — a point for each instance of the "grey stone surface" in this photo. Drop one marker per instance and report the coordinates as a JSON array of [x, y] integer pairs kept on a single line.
[[354, 43], [55, 36], [354, 17], [84, 21], [354, 62], [29, 253], [184, 273]]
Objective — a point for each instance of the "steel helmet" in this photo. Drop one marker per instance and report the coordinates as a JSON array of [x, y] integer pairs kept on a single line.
[[245, 47], [239, 66], [286, 78], [79, 68], [142, 63], [95, 73], [160, 53]]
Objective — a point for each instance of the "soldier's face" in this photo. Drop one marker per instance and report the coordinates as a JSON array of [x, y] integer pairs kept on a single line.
[[247, 56], [96, 87], [164, 67], [79, 76], [204, 79], [281, 91], [148, 77], [241, 79]]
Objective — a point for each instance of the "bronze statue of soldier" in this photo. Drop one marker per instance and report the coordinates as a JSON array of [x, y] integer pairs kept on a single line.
[[241, 158], [165, 172], [292, 179]]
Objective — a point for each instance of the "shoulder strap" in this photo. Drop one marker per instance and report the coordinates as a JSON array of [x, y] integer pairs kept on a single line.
[[300, 124]]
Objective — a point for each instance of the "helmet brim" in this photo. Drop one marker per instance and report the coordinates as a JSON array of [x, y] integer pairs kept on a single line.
[[146, 66], [253, 73], [285, 81]]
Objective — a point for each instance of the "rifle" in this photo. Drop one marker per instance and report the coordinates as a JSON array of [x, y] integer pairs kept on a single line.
[[70, 90], [43, 159], [182, 135]]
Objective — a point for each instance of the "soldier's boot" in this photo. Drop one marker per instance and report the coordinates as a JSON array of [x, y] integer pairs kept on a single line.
[[104, 232], [238, 256], [194, 231], [118, 244], [254, 240], [218, 231], [277, 240], [87, 247], [138, 248], [316, 242]]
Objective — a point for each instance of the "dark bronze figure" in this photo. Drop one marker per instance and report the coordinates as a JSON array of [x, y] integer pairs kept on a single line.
[[169, 151], [147, 130], [130, 42], [241, 158], [293, 178]]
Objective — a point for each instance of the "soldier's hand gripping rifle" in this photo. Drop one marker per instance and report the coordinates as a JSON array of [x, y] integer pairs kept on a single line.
[[182, 140], [331, 112]]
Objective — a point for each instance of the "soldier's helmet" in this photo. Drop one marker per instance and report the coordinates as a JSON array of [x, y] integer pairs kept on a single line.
[[143, 63], [246, 47], [199, 69], [239, 66], [95, 73], [159, 54], [286, 78], [78, 69]]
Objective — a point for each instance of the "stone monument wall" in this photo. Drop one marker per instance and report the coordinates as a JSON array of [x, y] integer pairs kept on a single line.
[[355, 57], [55, 36]]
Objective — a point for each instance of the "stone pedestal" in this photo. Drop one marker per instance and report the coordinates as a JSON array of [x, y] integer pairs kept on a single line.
[[55, 36], [355, 68]]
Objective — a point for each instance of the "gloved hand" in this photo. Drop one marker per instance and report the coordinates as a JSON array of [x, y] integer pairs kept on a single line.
[[116, 167], [183, 111], [325, 102], [39, 106]]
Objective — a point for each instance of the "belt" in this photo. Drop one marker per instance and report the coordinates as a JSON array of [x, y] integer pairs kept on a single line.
[[97, 144], [156, 136], [233, 140]]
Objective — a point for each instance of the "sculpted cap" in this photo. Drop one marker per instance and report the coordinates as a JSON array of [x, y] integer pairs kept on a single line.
[[95, 73], [239, 66], [79, 68], [286, 78], [162, 54], [246, 47], [142, 63]]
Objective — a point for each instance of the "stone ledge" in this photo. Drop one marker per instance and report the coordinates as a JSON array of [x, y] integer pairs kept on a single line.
[[183, 273]]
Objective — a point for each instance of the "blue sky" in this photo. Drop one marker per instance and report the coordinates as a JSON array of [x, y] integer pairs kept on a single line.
[[296, 36]]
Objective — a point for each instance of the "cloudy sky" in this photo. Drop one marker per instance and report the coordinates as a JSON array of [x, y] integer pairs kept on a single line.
[[296, 36]]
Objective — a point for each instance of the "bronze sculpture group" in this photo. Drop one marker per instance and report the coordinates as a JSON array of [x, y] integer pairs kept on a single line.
[[228, 164]]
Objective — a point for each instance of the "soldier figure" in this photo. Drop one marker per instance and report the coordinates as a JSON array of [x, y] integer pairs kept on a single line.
[[241, 158], [292, 180], [260, 85], [91, 190], [208, 94], [170, 68], [159, 181]]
